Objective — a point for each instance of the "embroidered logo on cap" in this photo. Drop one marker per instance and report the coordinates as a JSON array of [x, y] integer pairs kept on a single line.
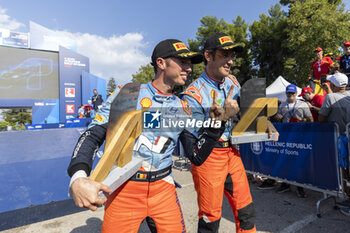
[[225, 39], [179, 46]]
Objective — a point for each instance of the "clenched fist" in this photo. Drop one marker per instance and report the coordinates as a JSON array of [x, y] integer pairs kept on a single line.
[[85, 193]]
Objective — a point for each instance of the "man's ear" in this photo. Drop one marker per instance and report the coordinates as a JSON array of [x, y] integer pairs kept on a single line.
[[208, 55], [161, 63]]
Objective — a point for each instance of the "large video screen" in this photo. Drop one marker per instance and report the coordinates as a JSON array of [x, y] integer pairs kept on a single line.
[[28, 74]]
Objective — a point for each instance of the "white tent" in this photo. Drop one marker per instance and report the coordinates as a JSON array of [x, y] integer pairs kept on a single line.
[[278, 89]]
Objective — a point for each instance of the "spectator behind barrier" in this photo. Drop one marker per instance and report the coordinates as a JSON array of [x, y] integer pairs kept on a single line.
[[314, 101], [89, 112], [319, 67], [86, 111], [344, 62], [335, 68], [336, 105], [81, 112], [293, 111], [336, 108]]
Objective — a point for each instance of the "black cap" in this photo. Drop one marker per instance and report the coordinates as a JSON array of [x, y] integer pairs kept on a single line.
[[174, 48], [222, 41]]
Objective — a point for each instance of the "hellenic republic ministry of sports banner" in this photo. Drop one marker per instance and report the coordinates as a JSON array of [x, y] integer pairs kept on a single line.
[[305, 153]]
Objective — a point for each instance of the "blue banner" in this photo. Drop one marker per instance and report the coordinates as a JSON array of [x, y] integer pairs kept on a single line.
[[45, 126], [305, 153], [43, 111], [74, 123], [71, 66], [46, 111], [90, 82], [33, 171]]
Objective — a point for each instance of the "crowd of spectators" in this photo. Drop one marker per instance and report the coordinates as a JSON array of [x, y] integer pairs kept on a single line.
[[86, 111], [325, 99]]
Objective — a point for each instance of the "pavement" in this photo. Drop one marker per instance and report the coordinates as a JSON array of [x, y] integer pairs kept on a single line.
[[284, 213]]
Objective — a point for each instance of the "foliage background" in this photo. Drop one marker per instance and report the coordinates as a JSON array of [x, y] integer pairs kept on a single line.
[[281, 42]]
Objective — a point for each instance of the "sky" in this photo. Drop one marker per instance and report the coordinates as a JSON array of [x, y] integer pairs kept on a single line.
[[119, 36]]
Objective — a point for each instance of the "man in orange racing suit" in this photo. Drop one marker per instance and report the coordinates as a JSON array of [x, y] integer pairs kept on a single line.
[[151, 191], [223, 171]]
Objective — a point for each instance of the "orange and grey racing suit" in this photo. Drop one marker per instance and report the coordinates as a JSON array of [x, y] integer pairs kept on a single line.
[[223, 170], [151, 191]]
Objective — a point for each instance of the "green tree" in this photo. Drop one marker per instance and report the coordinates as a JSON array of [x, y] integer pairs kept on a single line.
[[313, 23], [4, 124], [269, 46], [237, 30], [242, 68], [111, 86], [18, 117], [144, 74], [209, 26], [289, 2]]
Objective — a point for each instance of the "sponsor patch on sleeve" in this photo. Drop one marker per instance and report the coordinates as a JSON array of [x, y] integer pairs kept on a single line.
[[192, 91], [234, 80], [186, 107], [99, 118]]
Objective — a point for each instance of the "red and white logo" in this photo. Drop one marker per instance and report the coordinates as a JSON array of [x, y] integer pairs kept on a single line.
[[70, 109], [69, 92]]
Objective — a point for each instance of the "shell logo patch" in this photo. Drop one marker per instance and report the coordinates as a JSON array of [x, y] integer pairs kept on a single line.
[[212, 93], [179, 46], [225, 39], [186, 107], [212, 96], [146, 102], [99, 118]]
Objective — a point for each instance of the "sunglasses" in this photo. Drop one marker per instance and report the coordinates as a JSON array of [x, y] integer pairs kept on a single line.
[[226, 55]]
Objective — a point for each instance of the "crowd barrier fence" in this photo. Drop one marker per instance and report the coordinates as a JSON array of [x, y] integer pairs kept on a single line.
[[305, 155]]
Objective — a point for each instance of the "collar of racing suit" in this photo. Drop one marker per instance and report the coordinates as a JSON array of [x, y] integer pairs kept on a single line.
[[212, 81], [158, 95]]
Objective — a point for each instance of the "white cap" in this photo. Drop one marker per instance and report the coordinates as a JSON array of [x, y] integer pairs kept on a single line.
[[338, 79]]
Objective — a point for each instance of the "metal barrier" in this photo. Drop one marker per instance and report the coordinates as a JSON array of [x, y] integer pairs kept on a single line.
[[259, 164], [347, 132]]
